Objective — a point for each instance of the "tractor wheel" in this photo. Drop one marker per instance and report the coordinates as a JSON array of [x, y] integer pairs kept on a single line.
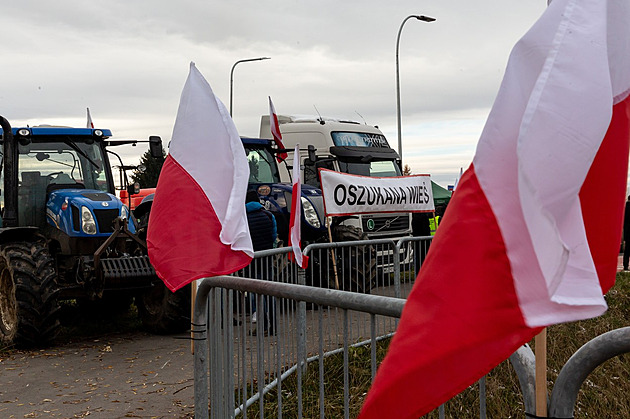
[[29, 310], [356, 265], [164, 312]]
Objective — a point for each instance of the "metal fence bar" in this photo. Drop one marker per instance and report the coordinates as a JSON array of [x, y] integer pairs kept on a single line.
[[482, 398], [373, 345], [581, 364], [379, 305], [346, 378], [524, 363]]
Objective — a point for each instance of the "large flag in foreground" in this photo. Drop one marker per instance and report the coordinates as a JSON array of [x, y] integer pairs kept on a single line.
[[531, 237], [198, 224], [295, 221]]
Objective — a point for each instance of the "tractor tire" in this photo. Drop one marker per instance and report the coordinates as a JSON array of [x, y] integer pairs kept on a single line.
[[29, 308], [356, 265], [164, 312]]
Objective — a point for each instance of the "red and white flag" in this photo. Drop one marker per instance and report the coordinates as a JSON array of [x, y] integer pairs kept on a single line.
[[295, 221], [198, 223], [275, 130], [90, 124], [531, 238]]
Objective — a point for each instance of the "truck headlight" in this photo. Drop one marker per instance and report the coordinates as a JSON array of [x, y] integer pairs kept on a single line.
[[124, 213], [310, 215], [88, 225]]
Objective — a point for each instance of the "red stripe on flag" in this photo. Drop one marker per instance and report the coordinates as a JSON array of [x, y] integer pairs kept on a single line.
[[457, 324], [274, 127], [603, 195], [186, 217]]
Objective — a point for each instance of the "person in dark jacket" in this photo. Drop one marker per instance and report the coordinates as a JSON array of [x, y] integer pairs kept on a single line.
[[263, 231], [420, 227], [626, 235]]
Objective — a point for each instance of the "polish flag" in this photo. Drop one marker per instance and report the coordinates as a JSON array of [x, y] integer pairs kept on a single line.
[[90, 124], [459, 176], [198, 223], [295, 222], [531, 237], [275, 130]]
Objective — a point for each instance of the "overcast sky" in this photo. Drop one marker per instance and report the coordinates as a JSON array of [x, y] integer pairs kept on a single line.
[[127, 60]]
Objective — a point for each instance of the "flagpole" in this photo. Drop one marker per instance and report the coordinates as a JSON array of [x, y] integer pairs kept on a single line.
[[193, 297], [332, 253], [541, 365], [541, 373]]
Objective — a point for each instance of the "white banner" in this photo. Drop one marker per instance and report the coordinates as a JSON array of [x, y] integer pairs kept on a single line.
[[346, 194]]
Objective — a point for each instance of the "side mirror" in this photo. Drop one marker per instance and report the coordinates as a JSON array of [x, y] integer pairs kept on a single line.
[[312, 156], [155, 146], [133, 189]]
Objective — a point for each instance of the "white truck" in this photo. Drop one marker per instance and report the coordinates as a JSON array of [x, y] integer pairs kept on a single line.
[[350, 147]]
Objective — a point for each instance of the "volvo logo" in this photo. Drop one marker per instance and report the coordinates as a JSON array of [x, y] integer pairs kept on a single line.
[[370, 224], [105, 204]]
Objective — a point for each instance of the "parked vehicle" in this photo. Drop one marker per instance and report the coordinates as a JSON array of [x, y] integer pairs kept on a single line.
[[348, 147], [133, 199], [65, 235]]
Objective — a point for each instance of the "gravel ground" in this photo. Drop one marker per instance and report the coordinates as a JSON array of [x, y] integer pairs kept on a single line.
[[129, 374]]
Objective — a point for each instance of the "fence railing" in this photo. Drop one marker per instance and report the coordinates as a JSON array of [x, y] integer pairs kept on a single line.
[[237, 356], [251, 334]]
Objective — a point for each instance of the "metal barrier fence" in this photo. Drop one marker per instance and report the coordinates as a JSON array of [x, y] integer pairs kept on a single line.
[[246, 366], [261, 331]]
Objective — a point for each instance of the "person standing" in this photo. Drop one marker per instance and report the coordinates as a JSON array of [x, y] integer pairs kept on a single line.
[[263, 231], [420, 227], [626, 235]]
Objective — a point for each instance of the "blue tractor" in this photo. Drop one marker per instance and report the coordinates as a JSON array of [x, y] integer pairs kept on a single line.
[[65, 235]]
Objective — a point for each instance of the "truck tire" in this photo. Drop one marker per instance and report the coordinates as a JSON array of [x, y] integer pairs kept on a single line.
[[29, 309], [356, 265], [164, 312]]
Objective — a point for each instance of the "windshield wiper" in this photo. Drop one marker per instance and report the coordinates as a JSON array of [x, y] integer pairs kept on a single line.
[[81, 152]]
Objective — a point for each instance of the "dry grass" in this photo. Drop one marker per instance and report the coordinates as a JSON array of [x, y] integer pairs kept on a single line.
[[605, 393]]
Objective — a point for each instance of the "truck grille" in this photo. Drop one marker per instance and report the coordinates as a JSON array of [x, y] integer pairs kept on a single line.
[[105, 219], [381, 224]]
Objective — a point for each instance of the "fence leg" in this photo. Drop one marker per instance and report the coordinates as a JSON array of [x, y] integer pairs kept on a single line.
[[301, 334], [200, 329]]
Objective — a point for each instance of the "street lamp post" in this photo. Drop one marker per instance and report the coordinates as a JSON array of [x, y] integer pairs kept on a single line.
[[232, 74], [424, 19]]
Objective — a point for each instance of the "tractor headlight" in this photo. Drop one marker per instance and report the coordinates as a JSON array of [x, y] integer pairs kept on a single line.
[[88, 225], [310, 215], [124, 213]]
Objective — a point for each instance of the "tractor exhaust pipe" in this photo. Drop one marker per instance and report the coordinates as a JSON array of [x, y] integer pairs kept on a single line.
[[9, 165]]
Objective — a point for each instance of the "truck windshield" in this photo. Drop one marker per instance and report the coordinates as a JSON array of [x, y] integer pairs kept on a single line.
[[61, 162], [262, 166], [359, 139], [383, 168]]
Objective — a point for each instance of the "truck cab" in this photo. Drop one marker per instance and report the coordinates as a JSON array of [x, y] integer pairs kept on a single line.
[[348, 147]]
